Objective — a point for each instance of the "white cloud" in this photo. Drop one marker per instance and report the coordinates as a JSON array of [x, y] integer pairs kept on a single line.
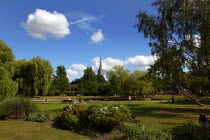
[[72, 73], [78, 67], [44, 25], [108, 63], [97, 37], [83, 20], [137, 61], [141, 60], [145, 68]]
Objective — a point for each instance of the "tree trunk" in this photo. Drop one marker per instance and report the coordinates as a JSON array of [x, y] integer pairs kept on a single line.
[[182, 90]]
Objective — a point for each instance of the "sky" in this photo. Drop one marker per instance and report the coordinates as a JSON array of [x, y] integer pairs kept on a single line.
[[75, 33]]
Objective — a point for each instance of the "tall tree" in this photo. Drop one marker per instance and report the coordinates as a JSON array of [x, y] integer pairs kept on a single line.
[[6, 54], [8, 87], [89, 80], [180, 36], [122, 74], [114, 82], [38, 76], [61, 80]]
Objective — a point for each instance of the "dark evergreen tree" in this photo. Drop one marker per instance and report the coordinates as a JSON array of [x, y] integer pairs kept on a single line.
[[61, 81], [89, 80]]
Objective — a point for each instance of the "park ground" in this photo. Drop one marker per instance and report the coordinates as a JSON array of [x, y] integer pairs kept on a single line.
[[159, 114]]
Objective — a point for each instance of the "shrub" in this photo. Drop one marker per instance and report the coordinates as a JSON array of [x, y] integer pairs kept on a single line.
[[95, 119], [69, 121], [188, 131], [139, 132], [105, 118], [17, 108], [40, 117]]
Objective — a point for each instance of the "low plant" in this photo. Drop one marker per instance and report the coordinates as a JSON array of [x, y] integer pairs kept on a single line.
[[40, 117], [189, 131], [17, 108], [105, 118], [140, 132], [94, 119]]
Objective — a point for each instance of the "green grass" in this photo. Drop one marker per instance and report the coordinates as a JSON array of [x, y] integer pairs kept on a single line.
[[25, 130], [161, 115], [157, 114]]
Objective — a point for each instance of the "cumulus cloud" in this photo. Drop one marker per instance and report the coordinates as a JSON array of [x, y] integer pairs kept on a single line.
[[141, 60], [78, 67], [44, 25], [97, 37], [72, 73], [107, 63], [137, 61]]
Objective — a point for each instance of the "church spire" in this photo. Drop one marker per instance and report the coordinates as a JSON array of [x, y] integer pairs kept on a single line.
[[100, 70]]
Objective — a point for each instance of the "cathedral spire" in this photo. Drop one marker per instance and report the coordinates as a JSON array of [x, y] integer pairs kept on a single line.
[[100, 70]]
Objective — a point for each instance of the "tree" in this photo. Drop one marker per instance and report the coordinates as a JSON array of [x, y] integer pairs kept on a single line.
[[61, 81], [8, 87], [18, 76], [141, 84], [114, 82], [179, 36], [100, 79], [122, 74], [89, 80], [104, 89], [6, 54], [38, 76]]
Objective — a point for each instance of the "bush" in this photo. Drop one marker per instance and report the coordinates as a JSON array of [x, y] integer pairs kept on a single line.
[[95, 119], [139, 132], [69, 121], [105, 118], [17, 108], [40, 117], [188, 131]]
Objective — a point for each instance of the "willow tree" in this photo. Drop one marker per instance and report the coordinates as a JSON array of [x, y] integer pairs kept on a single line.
[[38, 76], [179, 35], [8, 87]]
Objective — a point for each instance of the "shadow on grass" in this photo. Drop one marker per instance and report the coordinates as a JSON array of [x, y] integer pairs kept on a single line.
[[165, 112]]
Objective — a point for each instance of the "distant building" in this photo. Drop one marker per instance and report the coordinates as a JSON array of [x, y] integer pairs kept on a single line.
[[100, 69]]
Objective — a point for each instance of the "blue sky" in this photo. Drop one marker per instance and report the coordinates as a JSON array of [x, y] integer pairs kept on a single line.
[[75, 33]]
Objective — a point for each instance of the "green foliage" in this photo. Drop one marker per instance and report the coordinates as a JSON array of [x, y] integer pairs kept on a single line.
[[69, 121], [104, 89], [89, 80], [70, 117], [6, 53], [40, 117], [105, 118], [114, 82], [139, 132], [94, 119], [8, 87], [17, 108], [174, 34], [38, 76], [60, 80], [100, 79], [189, 131]]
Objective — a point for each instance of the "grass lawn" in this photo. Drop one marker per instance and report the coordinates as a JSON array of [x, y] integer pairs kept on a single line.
[[155, 113], [161, 115], [25, 130]]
